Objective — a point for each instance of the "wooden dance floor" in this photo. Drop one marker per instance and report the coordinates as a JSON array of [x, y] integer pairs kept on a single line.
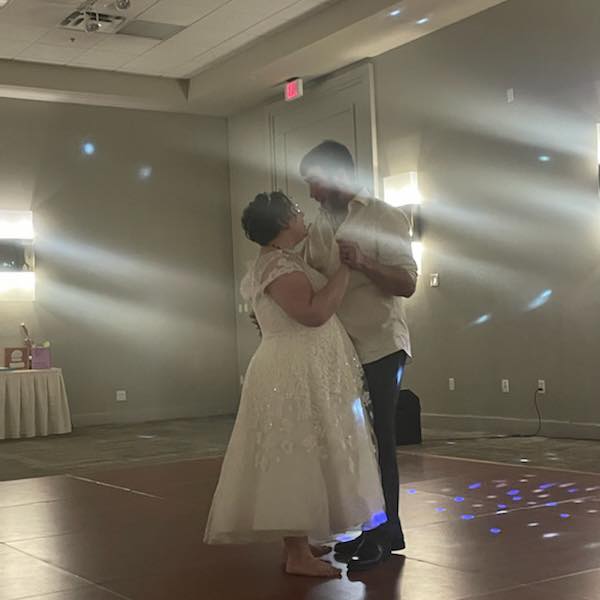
[[474, 530]]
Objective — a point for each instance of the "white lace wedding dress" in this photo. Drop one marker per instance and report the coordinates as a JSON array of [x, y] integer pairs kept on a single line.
[[301, 459]]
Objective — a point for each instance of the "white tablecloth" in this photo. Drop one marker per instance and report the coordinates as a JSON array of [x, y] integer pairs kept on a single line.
[[33, 403]]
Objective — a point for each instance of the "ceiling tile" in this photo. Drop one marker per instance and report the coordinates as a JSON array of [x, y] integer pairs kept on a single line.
[[70, 39], [214, 29], [264, 8], [145, 69], [52, 54], [126, 44], [101, 60], [10, 48], [181, 12], [22, 33], [35, 13]]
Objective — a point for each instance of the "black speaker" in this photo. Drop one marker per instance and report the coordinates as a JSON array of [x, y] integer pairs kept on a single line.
[[408, 419]]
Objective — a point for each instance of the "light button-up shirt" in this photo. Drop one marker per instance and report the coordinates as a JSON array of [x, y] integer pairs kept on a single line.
[[374, 320]]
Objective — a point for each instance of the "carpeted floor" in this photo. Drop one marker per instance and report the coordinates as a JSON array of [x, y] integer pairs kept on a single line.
[[111, 446]]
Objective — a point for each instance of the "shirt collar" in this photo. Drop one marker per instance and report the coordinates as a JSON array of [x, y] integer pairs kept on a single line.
[[360, 198]]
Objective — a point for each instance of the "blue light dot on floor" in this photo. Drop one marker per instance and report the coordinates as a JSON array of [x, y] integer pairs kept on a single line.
[[495, 530], [502, 506], [467, 517], [513, 492], [517, 498], [475, 486], [412, 491], [440, 509], [551, 503], [459, 499], [572, 490], [564, 515]]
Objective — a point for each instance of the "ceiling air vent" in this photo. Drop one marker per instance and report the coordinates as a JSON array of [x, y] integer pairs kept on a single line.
[[91, 21]]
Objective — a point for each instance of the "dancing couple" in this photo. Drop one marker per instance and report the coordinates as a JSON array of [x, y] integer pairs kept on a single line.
[[302, 464]]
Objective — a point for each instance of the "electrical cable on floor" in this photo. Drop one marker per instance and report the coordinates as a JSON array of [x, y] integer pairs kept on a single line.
[[500, 436]]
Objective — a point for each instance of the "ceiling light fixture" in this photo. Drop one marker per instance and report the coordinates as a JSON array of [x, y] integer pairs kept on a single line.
[[122, 4], [395, 13], [423, 21]]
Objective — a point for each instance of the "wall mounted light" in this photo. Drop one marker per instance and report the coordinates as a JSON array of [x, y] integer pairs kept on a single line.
[[17, 277], [402, 191]]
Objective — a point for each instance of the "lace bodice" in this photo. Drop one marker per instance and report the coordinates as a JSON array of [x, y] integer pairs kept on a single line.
[[263, 271]]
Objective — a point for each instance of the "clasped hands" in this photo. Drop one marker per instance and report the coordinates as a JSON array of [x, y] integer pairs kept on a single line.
[[351, 255]]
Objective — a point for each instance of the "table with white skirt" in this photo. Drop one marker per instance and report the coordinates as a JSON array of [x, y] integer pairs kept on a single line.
[[33, 403]]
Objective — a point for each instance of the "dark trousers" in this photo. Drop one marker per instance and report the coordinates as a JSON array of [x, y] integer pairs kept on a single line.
[[384, 378]]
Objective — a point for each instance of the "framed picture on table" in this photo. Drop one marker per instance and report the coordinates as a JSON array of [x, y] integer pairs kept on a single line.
[[16, 358]]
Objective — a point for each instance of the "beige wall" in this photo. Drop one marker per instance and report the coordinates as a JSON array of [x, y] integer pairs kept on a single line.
[[501, 227], [248, 155], [134, 283]]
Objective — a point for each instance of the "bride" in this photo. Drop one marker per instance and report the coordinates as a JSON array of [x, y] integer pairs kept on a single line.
[[300, 463]]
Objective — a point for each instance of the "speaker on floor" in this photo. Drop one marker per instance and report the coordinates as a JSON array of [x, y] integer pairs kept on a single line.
[[408, 419]]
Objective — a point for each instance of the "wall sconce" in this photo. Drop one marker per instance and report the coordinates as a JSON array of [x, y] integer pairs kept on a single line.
[[17, 277], [402, 190]]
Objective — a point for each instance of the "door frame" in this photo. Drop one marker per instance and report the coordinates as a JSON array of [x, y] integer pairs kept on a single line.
[[353, 84]]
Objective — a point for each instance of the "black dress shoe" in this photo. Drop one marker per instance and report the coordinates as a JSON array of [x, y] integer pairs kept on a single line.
[[398, 542], [370, 554], [349, 548]]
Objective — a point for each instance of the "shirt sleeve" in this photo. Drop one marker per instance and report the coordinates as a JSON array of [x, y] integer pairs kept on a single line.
[[393, 240]]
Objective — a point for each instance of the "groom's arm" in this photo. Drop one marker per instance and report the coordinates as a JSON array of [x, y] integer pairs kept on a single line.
[[395, 281], [392, 280], [394, 271]]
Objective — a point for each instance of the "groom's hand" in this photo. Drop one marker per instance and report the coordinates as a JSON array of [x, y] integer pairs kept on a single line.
[[351, 255]]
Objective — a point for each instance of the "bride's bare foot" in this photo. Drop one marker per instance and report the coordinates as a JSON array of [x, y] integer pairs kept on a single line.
[[316, 551], [311, 567]]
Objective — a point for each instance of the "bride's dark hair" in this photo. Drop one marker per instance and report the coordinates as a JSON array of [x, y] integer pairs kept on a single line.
[[265, 217]]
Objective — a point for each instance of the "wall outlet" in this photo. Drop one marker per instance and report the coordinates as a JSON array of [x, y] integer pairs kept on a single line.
[[434, 280], [510, 95], [240, 308], [451, 384], [541, 386], [121, 396], [505, 386]]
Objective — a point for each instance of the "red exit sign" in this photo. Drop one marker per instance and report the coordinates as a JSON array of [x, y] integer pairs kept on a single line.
[[293, 89]]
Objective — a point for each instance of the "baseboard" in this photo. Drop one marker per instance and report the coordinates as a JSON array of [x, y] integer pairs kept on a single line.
[[509, 425]]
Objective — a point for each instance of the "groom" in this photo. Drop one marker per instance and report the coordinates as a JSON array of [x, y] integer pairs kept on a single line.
[[373, 239]]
